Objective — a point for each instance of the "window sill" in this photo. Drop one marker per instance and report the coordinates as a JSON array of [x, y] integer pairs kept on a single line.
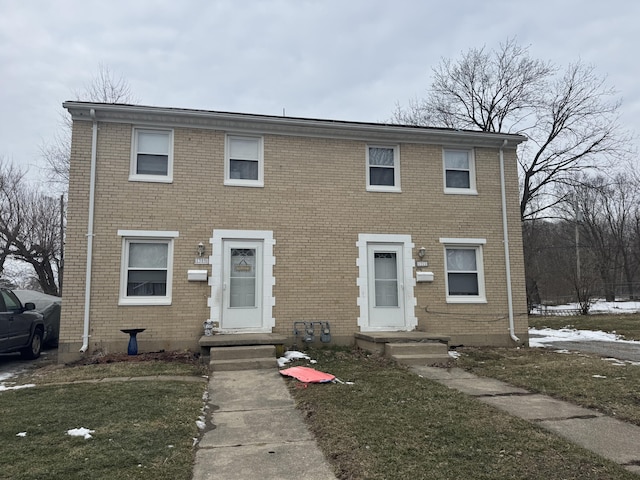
[[144, 301], [150, 178], [244, 183], [463, 299], [384, 189], [460, 191]]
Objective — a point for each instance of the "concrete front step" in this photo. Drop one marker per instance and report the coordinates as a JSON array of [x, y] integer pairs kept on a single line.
[[415, 348], [421, 360], [248, 357], [245, 351], [243, 364]]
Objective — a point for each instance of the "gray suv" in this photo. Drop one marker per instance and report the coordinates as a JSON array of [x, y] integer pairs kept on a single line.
[[21, 328]]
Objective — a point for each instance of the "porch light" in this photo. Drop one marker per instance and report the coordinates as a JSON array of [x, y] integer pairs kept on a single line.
[[422, 252], [200, 249]]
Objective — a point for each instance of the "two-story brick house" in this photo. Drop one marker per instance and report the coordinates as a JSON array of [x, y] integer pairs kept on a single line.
[[255, 222]]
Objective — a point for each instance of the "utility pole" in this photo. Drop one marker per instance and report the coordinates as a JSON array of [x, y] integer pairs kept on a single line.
[[577, 224]]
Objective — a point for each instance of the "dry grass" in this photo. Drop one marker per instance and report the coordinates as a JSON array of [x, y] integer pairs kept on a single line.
[[392, 424], [587, 380], [143, 430]]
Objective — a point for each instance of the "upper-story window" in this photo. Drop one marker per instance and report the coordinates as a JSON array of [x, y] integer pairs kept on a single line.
[[244, 161], [383, 168], [152, 155], [459, 171]]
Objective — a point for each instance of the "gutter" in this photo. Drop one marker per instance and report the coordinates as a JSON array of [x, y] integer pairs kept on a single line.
[[505, 233], [90, 234]]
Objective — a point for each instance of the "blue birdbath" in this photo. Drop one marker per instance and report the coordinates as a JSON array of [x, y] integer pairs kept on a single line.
[[133, 342]]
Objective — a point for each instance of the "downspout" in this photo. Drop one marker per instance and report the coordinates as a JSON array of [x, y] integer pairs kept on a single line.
[[92, 194], [505, 233]]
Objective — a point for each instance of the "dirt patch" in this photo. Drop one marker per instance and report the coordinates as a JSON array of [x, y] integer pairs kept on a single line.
[[184, 356]]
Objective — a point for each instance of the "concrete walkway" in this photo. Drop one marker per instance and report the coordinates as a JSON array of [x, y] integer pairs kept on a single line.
[[606, 436], [258, 433]]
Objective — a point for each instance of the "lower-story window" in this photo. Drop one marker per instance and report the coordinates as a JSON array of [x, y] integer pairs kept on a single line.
[[464, 270], [147, 267]]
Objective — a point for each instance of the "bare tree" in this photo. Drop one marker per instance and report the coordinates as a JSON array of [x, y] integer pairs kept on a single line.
[[30, 228], [571, 120], [105, 87]]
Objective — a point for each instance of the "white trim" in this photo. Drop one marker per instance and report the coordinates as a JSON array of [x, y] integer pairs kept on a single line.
[[144, 236], [396, 188], [149, 233], [472, 190], [475, 244], [280, 125], [464, 241], [364, 239], [227, 168], [268, 280], [133, 175]]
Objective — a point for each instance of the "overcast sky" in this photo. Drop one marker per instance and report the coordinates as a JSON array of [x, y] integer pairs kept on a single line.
[[335, 59]]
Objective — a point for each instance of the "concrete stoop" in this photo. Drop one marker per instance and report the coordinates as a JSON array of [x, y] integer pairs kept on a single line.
[[409, 348], [418, 353], [248, 357]]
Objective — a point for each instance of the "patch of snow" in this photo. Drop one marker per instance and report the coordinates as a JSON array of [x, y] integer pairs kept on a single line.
[[598, 376], [454, 354], [17, 387], [200, 424], [21, 434], [599, 306], [293, 355], [81, 432], [543, 336], [6, 376]]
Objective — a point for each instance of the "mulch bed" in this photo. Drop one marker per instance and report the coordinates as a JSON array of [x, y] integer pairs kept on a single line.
[[162, 356]]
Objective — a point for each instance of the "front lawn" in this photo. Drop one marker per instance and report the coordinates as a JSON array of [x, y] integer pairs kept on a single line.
[[142, 429], [392, 424]]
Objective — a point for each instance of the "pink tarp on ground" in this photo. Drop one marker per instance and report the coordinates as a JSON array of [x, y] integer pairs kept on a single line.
[[307, 375]]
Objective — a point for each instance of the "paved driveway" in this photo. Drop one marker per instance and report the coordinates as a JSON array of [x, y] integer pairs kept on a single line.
[[12, 363]]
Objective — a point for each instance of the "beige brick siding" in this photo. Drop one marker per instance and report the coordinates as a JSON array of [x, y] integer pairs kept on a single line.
[[314, 201]]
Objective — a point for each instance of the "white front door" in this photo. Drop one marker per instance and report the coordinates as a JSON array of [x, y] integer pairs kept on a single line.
[[242, 285], [386, 286]]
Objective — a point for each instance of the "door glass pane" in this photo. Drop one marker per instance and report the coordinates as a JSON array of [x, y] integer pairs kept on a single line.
[[386, 279], [242, 278]]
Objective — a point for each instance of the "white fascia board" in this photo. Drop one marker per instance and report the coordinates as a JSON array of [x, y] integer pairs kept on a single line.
[[265, 124]]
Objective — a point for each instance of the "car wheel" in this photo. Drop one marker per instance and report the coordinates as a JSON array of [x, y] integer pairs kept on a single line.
[[35, 346]]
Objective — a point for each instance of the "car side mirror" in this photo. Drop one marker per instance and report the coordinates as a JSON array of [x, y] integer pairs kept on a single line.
[[29, 306]]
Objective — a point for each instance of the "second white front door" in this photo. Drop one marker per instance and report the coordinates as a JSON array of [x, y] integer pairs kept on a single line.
[[242, 285], [386, 285]]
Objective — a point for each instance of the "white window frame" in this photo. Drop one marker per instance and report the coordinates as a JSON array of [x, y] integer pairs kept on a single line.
[[238, 182], [136, 177], [475, 244], [396, 170], [145, 236], [472, 190]]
